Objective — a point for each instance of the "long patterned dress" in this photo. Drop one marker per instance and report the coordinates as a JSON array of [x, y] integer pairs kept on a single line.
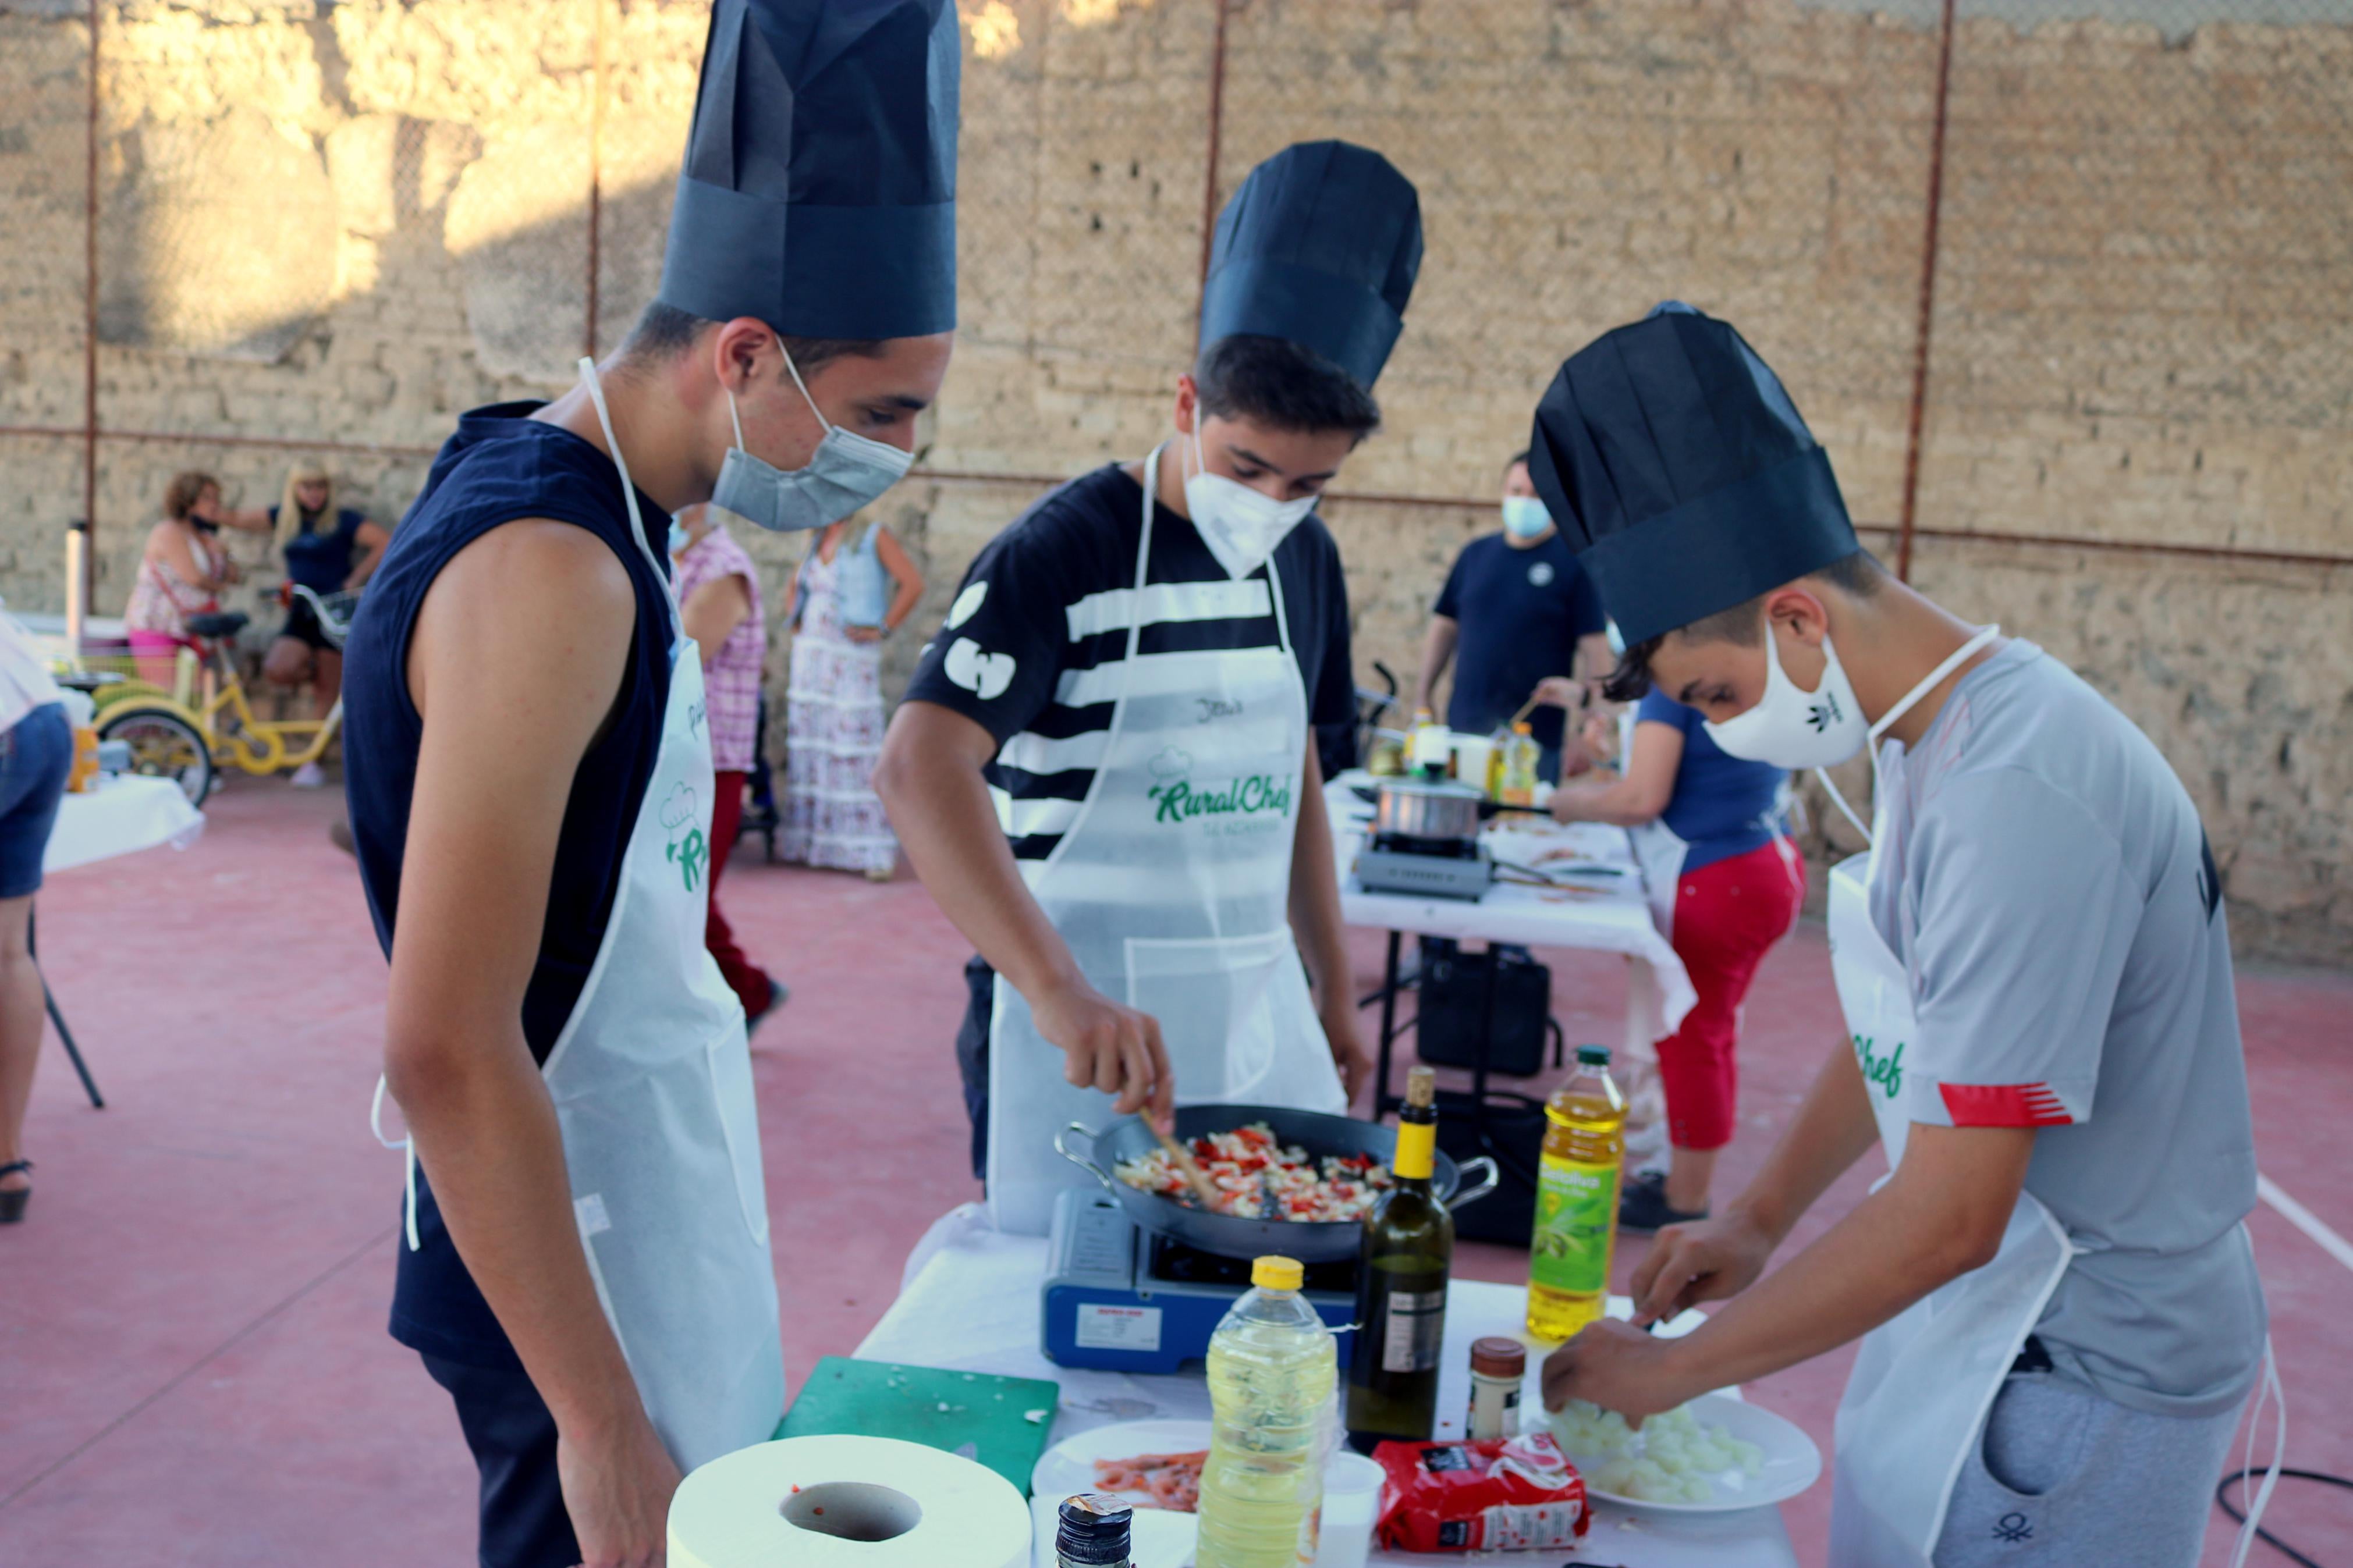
[[833, 717]]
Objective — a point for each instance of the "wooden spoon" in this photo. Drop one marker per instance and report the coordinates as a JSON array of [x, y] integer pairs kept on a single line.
[[1194, 1175]]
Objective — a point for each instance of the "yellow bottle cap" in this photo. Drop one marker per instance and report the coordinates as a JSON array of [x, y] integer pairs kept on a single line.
[[1277, 1273], [1524, 728]]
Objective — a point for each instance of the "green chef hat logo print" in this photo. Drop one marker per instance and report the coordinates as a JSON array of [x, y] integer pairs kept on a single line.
[[688, 849], [1170, 763]]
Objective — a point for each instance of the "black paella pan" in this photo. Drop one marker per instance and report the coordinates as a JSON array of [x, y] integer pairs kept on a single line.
[[1309, 1241]]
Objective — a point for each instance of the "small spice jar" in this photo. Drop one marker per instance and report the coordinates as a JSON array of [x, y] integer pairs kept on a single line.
[[1498, 1367]]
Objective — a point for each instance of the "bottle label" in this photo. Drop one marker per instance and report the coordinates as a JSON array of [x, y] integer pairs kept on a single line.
[[1577, 1218], [1415, 1139], [1412, 1327]]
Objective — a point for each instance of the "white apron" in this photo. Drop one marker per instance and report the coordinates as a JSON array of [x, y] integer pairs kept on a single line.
[[1924, 1381], [651, 1080], [1173, 888]]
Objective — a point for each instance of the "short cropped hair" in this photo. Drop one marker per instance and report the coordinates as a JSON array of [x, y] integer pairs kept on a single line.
[[1517, 458], [1277, 383], [1859, 574], [180, 497], [664, 331]]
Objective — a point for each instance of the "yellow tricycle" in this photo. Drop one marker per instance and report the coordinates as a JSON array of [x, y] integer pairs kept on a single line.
[[205, 722]]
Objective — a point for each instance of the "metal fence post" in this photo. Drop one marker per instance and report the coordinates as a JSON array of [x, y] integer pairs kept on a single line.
[[1909, 517], [1217, 128], [90, 313], [596, 171]]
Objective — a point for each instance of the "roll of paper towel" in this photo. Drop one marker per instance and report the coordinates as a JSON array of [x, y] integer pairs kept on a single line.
[[846, 1502]]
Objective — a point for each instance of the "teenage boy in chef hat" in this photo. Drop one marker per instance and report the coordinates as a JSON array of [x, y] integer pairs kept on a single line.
[[585, 1268], [2036, 972], [1106, 768]]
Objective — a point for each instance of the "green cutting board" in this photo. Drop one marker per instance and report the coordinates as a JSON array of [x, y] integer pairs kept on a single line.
[[1003, 1422]]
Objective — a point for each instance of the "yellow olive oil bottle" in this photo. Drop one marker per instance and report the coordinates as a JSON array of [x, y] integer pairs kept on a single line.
[[1577, 1199]]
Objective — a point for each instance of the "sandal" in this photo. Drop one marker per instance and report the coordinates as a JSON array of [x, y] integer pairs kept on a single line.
[[13, 1201]]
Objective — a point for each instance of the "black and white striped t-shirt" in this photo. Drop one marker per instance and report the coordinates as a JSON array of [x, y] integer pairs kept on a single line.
[[1036, 642]]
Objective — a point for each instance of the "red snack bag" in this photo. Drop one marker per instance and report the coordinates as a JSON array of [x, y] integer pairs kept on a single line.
[[1503, 1494]]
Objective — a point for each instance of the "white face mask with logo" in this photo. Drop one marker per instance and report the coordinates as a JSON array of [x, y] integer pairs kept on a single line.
[[1240, 526], [1793, 729]]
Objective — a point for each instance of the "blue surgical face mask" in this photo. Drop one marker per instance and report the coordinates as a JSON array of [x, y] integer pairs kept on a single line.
[[679, 539], [843, 474], [1524, 517]]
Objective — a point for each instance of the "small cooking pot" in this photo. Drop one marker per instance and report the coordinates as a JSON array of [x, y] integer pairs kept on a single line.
[[1434, 810]]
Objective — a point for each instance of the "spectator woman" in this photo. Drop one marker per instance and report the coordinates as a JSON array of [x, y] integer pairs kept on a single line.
[[719, 601], [1725, 882], [180, 574], [36, 752], [844, 600], [327, 549]]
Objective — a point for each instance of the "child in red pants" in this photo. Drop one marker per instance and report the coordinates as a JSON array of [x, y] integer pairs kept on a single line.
[[1713, 822]]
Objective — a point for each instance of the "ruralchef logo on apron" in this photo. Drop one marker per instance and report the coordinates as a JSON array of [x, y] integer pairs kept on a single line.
[[688, 849], [1884, 1073], [1177, 798]]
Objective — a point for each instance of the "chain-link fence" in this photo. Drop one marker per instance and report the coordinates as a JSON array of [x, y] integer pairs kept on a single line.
[[2063, 286]]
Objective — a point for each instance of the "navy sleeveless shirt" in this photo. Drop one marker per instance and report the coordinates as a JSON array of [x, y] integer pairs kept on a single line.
[[500, 467], [319, 556]]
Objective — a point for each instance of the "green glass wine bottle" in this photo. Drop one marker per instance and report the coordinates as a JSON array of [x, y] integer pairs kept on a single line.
[[1408, 1251]]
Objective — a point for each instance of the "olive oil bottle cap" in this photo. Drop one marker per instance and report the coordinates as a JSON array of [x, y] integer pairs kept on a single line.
[[1593, 1056], [1273, 1273], [1421, 1087]]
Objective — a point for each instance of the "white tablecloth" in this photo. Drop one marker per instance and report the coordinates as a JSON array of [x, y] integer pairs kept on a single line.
[[1604, 913], [126, 812], [970, 1302]]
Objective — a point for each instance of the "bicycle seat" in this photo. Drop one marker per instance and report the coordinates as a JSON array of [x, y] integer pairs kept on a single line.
[[223, 623]]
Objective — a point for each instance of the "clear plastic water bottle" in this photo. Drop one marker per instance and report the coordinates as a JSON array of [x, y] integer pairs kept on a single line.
[[1273, 1370]]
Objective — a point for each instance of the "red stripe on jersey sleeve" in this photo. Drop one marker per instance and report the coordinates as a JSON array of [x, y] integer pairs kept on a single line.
[[2004, 1105]]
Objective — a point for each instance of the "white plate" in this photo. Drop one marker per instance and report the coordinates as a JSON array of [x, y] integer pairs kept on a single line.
[[1792, 1462], [1160, 1539]]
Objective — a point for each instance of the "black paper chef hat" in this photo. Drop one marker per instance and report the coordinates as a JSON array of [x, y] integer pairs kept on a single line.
[[1680, 473], [1319, 248], [819, 193]]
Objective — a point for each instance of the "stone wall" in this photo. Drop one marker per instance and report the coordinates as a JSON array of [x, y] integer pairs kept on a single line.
[[346, 223]]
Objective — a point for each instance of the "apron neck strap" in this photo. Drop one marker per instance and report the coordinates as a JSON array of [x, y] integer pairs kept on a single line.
[[1905, 704], [628, 488], [1953, 661]]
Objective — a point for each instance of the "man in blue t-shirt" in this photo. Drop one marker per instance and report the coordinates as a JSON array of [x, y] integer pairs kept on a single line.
[[1515, 610]]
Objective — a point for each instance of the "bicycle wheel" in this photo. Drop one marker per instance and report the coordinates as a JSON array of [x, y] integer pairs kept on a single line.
[[164, 745]]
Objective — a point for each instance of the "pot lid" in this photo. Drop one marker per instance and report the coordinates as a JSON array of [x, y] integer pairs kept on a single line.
[[1432, 789]]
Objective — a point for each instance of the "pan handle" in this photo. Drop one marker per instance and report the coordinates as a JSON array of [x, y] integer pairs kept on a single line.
[[1086, 1163], [1489, 1180]]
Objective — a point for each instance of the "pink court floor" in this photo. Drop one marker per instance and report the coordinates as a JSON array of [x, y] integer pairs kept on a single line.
[[194, 1368]]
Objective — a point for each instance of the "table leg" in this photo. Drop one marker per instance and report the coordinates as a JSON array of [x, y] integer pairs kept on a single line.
[[1382, 1104], [65, 1034], [1485, 1048]]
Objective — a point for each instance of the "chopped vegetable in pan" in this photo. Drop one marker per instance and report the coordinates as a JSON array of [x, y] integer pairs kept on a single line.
[[1258, 1177]]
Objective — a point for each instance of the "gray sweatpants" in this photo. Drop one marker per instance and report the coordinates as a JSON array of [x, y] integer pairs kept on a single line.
[[2068, 1480]]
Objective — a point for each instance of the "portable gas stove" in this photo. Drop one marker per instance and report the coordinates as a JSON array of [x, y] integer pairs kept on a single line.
[[1428, 868], [1119, 1298]]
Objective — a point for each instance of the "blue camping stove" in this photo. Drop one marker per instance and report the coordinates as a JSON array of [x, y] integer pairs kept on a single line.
[[1119, 1298]]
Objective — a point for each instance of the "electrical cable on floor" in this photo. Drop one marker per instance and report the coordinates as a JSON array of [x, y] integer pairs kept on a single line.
[[2222, 1500]]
